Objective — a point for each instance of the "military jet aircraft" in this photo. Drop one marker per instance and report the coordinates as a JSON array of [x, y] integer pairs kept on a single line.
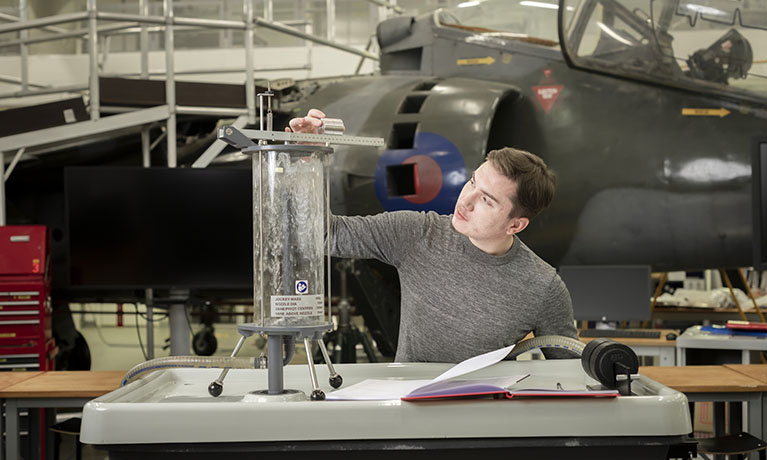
[[648, 109], [653, 112]]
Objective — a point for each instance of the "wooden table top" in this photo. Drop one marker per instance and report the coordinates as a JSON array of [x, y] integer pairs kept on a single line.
[[8, 379], [755, 371], [703, 379], [64, 384]]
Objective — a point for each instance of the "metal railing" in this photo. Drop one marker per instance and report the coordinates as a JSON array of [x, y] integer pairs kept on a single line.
[[137, 23], [140, 23]]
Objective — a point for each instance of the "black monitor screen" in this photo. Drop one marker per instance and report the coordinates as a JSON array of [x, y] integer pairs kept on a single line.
[[609, 292], [159, 227]]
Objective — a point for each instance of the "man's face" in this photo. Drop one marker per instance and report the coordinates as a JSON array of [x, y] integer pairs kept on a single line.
[[484, 206]]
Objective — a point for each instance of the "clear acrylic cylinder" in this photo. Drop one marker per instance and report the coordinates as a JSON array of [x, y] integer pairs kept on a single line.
[[290, 221]]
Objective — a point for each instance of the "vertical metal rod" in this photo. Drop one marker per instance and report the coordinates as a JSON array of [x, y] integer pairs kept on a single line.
[[12, 438], [104, 51], [146, 151], [261, 114], [260, 214], [261, 236], [269, 125], [250, 86], [144, 39], [255, 168], [269, 10], [149, 299], [93, 92], [146, 158], [326, 178], [170, 84], [225, 36], [308, 44], [330, 20], [2, 189], [23, 48], [179, 330], [274, 364]]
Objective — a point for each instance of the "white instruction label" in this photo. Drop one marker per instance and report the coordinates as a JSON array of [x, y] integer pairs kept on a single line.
[[297, 305]]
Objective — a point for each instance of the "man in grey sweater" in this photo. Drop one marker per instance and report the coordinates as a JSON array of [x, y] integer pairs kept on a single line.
[[468, 285]]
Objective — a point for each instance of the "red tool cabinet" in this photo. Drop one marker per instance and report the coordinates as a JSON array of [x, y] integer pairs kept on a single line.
[[26, 342]]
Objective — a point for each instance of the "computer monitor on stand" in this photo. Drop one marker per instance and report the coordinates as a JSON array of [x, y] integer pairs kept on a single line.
[[609, 292], [179, 231]]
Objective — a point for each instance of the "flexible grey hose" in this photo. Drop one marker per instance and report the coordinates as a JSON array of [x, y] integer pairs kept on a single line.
[[548, 341], [217, 362]]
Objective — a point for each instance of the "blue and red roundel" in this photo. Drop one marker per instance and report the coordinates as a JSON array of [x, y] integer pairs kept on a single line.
[[433, 182]]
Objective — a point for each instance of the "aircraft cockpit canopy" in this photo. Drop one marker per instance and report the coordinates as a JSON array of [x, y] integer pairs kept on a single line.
[[717, 46]]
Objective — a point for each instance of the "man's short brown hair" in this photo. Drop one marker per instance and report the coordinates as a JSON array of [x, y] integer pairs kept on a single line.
[[535, 181]]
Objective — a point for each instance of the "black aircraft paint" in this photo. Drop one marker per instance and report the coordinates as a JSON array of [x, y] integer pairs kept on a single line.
[[614, 106], [649, 110]]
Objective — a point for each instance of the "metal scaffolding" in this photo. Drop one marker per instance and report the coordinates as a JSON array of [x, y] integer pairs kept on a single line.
[[166, 23]]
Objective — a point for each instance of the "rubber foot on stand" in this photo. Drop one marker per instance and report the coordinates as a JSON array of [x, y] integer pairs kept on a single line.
[[336, 381], [215, 389]]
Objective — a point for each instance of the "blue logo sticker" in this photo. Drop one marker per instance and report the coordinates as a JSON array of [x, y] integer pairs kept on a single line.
[[302, 287]]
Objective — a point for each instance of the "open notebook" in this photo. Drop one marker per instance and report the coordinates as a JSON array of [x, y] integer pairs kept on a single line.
[[447, 385]]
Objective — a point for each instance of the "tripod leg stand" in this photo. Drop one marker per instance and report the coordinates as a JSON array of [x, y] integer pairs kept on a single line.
[[335, 379], [217, 387], [366, 345]]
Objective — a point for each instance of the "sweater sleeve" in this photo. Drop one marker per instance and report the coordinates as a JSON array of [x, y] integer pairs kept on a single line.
[[556, 316], [386, 236]]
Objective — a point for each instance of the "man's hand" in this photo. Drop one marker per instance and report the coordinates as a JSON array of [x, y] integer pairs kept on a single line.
[[310, 124]]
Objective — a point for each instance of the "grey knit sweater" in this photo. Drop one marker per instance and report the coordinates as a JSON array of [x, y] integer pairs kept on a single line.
[[457, 301]]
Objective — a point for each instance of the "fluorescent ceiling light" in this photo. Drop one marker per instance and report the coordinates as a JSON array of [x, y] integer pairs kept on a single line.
[[465, 4], [552, 6], [705, 9]]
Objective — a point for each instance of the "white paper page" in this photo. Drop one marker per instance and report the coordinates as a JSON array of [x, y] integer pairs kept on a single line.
[[376, 390], [474, 364], [467, 385]]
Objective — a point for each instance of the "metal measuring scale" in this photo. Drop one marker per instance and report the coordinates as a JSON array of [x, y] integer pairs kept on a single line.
[[291, 218]]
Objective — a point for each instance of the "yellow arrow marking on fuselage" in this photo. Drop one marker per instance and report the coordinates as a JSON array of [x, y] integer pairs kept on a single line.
[[476, 61], [721, 112]]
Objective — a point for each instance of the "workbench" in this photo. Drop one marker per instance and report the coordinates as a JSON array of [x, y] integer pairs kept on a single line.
[[47, 390], [169, 415], [718, 384], [697, 338]]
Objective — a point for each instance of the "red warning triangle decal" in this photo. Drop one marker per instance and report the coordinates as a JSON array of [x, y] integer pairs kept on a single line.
[[547, 95]]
